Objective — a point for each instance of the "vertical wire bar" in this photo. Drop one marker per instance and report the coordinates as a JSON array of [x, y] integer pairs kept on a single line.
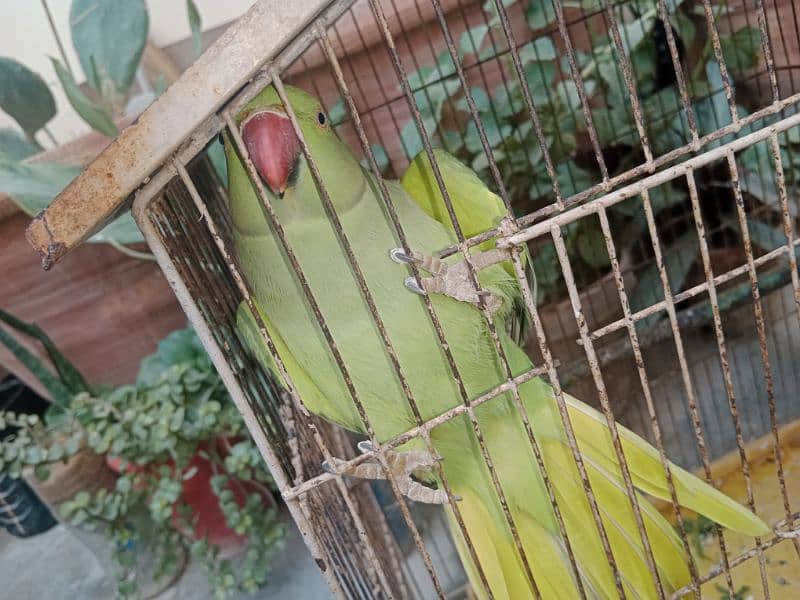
[[155, 241], [529, 103], [679, 75], [651, 409], [247, 293], [473, 109], [766, 48], [579, 84], [723, 354], [437, 325], [269, 212], [630, 83], [691, 398], [788, 222], [730, 93], [758, 312], [594, 365], [572, 441]]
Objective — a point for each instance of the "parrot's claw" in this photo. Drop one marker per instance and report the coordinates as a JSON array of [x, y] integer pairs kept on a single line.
[[401, 465], [398, 255], [412, 285]]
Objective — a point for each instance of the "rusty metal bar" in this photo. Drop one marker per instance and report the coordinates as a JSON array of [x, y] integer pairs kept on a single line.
[[691, 397], [278, 228], [723, 358], [599, 383], [643, 379], [581, 87], [665, 159], [730, 93], [630, 83], [693, 291], [788, 224], [680, 77], [654, 180], [758, 313], [766, 48], [529, 103]]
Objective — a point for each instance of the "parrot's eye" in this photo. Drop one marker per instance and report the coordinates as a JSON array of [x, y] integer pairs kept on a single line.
[[321, 118]]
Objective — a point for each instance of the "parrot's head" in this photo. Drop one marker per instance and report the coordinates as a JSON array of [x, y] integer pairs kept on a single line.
[[275, 149]]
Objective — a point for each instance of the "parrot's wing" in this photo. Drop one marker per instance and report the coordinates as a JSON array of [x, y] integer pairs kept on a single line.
[[312, 396], [477, 208]]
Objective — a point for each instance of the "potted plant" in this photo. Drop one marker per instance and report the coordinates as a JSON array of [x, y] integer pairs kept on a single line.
[[187, 478]]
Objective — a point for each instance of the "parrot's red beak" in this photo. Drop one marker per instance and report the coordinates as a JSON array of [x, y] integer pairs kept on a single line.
[[273, 147]]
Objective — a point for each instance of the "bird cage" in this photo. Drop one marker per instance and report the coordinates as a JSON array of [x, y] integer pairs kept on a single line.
[[646, 151]]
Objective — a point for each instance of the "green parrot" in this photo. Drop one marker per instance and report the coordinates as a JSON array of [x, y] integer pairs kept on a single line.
[[276, 153]]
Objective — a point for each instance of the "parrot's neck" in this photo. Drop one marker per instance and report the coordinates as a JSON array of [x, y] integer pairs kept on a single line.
[[345, 184]]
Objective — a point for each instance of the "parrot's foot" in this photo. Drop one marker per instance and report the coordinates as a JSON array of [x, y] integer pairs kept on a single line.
[[452, 280], [402, 465]]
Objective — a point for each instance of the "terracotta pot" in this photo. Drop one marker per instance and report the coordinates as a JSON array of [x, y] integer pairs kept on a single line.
[[209, 521]]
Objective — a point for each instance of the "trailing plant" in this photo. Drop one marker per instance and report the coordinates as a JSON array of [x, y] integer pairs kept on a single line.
[[177, 410]]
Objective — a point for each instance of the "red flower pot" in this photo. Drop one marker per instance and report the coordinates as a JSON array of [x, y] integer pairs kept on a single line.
[[207, 518]]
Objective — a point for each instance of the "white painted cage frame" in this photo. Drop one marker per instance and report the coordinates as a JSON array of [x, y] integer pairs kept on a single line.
[[340, 523]]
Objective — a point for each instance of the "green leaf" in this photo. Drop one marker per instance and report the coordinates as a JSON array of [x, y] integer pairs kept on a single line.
[[33, 186], [216, 154], [540, 49], [472, 40], [592, 245], [678, 260], [381, 158], [196, 25], [70, 376], [41, 471], [109, 37], [741, 49], [57, 390], [94, 114], [25, 96], [15, 146], [540, 14], [337, 112]]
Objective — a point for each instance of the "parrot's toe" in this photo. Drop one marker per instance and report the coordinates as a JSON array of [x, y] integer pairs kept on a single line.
[[412, 285], [398, 255]]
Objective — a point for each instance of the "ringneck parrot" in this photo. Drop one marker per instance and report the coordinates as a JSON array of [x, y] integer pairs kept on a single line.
[[287, 179]]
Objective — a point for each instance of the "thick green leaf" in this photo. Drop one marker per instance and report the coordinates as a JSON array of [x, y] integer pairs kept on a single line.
[[25, 96], [70, 376], [472, 40], [741, 49], [92, 113], [196, 25], [58, 391], [33, 186], [109, 37], [15, 146], [592, 245], [337, 113], [540, 49], [678, 260], [540, 14], [496, 132], [216, 153]]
